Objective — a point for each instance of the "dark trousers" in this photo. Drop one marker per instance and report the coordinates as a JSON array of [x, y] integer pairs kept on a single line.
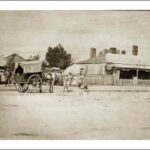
[[51, 88], [7, 83]]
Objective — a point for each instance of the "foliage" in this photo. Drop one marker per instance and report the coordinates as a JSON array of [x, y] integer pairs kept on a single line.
[[32, 58], [44, 64], [58, 57]]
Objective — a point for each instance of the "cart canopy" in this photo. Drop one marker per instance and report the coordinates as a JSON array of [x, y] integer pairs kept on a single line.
[[29, 66]]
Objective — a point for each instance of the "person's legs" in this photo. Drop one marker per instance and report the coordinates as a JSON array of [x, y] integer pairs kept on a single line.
[[86, 88], [79, 85], [65, 86], [50, 87], [53, 86], [6, 82], [40, 88]]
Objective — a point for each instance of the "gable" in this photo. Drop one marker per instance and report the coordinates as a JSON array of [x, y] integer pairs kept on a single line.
[[16, 57]]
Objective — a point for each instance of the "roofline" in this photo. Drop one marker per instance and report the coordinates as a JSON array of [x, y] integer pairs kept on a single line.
[[127, 64], [15, 54], [29, 62], [102, 56]]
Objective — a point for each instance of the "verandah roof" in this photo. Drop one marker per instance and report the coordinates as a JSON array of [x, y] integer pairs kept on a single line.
[[146, 67]]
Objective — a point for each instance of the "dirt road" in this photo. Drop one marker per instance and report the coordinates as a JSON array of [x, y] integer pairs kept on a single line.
[[102, 113]]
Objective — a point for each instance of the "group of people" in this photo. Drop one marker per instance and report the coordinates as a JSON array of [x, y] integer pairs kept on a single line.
[[67, 81], [5, 77], [82, 82]]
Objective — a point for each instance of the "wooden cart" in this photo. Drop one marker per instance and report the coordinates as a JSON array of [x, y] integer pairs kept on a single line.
[[27, 74]]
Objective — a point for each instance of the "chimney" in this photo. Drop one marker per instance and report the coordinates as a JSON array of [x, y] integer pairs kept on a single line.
[[123, 52], [113, 50], [92, 52], [135, 50], [117, 51]]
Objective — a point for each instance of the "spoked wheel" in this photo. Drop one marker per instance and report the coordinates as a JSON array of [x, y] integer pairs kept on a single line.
[[21, 87], [36, 82]]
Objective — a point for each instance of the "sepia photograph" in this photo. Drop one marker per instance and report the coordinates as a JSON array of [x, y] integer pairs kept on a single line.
[[74, 75]]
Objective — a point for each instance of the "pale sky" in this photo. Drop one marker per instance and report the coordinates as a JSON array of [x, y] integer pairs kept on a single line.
[[31, 32]]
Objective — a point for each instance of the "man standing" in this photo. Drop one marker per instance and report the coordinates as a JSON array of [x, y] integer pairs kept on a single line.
[[3, 78], [50, 83], [66, 83], [7, 76], [53, 80]]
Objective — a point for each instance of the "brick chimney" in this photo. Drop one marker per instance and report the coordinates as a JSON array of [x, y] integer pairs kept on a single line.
[[135, 50], [123, 52], [92, 52], [113, 50]]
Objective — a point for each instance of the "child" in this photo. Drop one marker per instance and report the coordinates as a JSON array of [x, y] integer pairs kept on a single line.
[[85, 85], [70, 78], [80, 81]]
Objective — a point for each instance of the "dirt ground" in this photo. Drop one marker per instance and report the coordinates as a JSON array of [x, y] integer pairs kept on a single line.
[[105, 112]]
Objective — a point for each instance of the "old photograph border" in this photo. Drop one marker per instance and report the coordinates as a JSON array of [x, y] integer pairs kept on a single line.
[[75, 6]]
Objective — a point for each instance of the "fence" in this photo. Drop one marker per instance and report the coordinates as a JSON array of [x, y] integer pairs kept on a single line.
[[144, 82], [131, 82], [125, 82], [100, 79], [108, 80]]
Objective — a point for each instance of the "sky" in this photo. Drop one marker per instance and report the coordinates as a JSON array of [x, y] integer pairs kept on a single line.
[[32, 32]]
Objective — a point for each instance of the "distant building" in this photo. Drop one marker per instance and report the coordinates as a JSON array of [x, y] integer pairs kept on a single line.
[[5, 59], [113, 68], [16, 57], [2, 62]]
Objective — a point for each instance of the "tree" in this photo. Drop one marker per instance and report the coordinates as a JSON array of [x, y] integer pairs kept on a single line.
[[58, 57], [32, 58], [44, 64]]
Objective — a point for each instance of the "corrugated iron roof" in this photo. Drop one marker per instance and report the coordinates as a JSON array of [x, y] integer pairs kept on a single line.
[[126, 59], [117, 59], [97, 60]]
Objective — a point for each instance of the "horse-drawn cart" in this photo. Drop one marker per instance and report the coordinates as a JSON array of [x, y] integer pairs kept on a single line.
[[27, 74]]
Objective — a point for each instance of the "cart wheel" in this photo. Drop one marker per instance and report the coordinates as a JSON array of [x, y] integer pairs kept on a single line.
[[21, 87], [36, 82]]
